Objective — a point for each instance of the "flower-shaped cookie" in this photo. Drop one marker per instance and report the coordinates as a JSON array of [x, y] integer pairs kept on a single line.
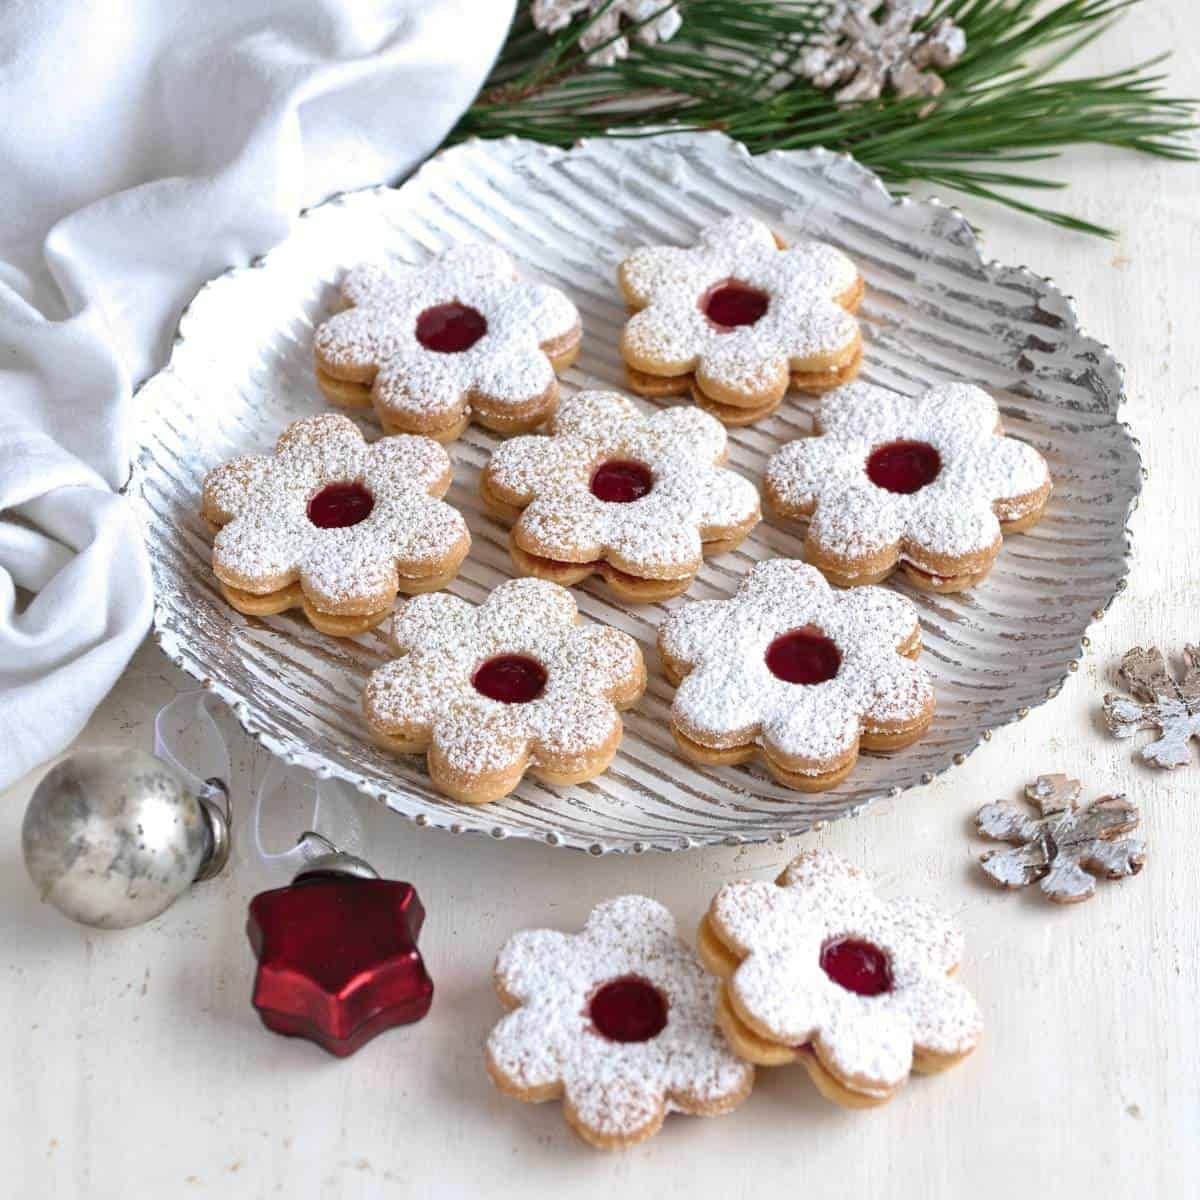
[[333, 525], [795, 671], [428, 346], [619, 1021], [927, 484], [508, 686], [735, 317], [818, 969], [637, 499]]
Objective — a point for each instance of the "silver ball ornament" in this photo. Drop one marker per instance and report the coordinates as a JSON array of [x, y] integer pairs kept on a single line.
[[113, 837]]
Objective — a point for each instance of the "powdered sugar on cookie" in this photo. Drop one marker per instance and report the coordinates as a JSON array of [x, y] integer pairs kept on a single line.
[[550, 701], [688, 500], [896, 999], [970, 479], [395, 528], [460, 333], [801, 318], [731, 697], [618, 1020]]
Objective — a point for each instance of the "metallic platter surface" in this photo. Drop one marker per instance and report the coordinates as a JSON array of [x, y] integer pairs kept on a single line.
[[241, 369]]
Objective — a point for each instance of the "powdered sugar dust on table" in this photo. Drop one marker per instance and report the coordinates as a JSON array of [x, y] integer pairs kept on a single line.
[[934, 311]]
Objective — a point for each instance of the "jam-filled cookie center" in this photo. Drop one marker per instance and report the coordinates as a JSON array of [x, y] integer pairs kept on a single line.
[[803, 656], [621, 481], [338, 505], [629, 1009], [903, 467], [510, 678], [857, 965], [450, 328], [730, 303]]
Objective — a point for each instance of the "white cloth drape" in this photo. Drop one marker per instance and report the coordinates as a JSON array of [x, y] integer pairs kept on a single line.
[[144, 147]]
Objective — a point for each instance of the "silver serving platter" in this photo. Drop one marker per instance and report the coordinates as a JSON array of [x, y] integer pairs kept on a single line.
[[241, 369]]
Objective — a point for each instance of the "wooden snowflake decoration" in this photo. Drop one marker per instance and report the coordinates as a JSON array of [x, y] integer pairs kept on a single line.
[[651, 20], [1159, 701], [861, 51], [1068, 846]]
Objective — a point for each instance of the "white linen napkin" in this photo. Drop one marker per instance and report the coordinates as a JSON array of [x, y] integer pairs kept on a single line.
[[146, 147]]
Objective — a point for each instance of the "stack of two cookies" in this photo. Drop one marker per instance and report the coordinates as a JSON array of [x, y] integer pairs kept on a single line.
[[816, 969], [637, 499], [623, 1023]]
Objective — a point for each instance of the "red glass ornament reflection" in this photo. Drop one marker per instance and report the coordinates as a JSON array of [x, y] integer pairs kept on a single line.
[[621, 481], [731, 304], [803, 656], [337, 959], [903, 467], [511, 679], [450, 328], [337, 505], [857, 966], [628, 1009]]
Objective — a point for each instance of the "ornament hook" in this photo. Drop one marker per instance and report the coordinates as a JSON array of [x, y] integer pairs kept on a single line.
[[190, 712]]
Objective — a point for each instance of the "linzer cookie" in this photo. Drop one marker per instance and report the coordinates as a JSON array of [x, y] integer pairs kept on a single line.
[[927, 484], [332, 525], [431, 347], [790, 670], [635, 499], [818, 970], [618, 1021], [510, 686], [736, 317]]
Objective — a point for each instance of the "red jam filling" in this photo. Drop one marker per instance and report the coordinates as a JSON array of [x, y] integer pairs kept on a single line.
[[628, 1010], [450, 328], [511, 679], [803, 656], [621, 481], [903, 467], [731, 304], [857, 966], [337, 505]]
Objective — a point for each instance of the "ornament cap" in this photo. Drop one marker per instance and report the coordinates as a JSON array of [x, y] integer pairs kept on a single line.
[[336, 862], [218, 820]]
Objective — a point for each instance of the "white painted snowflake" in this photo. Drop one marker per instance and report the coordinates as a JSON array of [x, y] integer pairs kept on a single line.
[[1068, 846], [1159, 701], [860, 52], [652, 20]]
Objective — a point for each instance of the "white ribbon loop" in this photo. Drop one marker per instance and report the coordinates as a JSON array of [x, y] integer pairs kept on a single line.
[[275, 835]]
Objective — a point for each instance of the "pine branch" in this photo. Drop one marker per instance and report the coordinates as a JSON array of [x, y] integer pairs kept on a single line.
[[734, 67]]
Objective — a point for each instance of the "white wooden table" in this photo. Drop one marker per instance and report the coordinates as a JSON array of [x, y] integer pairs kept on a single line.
[[133, 1064]]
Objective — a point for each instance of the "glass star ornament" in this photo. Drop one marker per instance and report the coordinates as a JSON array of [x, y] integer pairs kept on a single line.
[[337, 955]]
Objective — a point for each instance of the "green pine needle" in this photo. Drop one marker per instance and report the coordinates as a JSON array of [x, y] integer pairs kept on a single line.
[[733, 67]]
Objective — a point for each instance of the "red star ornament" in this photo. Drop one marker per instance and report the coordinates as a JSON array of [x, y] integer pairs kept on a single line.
[[337, 958]]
